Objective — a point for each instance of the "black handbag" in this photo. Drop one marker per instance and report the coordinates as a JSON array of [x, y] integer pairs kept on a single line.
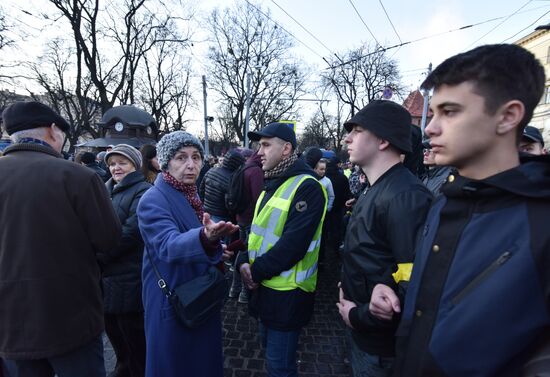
[[197, 300]]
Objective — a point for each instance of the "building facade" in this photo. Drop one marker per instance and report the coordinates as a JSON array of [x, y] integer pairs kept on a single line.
[[538, 42]]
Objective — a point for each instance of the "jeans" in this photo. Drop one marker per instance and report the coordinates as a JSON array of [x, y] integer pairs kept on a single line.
[[367, 365], [280, 351], [236, 284], [86, 361]]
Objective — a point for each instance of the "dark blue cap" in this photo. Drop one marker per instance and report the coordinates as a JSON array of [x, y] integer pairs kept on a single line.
[[533, 134], [276, 129]]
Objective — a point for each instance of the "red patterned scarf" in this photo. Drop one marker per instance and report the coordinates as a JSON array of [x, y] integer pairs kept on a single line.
[[189, 191]]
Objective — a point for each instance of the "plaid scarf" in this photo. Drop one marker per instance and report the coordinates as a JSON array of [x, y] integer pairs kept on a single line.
[[189, 191], [281, 166]]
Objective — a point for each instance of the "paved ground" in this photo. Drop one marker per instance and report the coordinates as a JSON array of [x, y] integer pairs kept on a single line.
[[322, 343]]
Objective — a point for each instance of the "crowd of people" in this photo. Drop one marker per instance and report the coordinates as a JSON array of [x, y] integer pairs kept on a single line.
[[444, 262]]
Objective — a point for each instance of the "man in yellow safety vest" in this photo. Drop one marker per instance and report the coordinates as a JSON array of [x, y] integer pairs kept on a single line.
[[283, 247]]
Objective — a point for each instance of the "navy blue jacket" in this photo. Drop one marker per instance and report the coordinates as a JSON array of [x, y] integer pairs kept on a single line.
[[478, 302]]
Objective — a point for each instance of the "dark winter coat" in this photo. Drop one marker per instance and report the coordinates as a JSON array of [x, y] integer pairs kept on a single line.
[[288, 310], [122, 266], [479, 303], [101, 172], [171, 233], [56, 216], [254, 184], [381, 236], [434, 177], [340, 184], [215, 184]]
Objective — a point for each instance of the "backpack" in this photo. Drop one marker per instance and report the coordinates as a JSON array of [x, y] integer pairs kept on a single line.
[[236, 199]]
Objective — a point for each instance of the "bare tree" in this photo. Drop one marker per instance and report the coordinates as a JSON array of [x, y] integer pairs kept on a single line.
[[110, 43], [6, 41], [315, 133], [245, 43], [361, 75], [53, 73], [164, 86]]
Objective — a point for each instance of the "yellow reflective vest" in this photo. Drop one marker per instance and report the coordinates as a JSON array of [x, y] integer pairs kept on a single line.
[[267, 227]]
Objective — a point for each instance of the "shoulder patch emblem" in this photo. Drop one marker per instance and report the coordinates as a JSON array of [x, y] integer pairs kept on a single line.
[[301, 206]]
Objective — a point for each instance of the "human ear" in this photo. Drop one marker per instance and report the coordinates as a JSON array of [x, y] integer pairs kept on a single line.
[[510, 115], [383, 144]]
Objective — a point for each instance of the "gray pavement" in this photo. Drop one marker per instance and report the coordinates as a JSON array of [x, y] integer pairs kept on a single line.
[[321, 350]]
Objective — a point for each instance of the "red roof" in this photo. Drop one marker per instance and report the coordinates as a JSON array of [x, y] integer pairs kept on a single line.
[[414, 104]]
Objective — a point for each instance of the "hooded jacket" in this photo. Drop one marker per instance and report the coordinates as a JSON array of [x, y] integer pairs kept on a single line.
[[215, 184], [380, 237], [287, 310], [253, 183], [478, 303]]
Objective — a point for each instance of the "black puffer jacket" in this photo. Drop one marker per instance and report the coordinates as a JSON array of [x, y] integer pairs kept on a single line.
[[121, 279], [215, 184]]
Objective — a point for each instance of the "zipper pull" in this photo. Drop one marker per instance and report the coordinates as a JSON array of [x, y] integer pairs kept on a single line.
[[504, 258]]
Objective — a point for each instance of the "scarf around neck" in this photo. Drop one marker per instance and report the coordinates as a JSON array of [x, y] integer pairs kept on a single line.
[[189, 191], [282, 166]]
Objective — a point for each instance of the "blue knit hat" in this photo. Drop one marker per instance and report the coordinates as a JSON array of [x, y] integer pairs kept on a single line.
[[170, 143]]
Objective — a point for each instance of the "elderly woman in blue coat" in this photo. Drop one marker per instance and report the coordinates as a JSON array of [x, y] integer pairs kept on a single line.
[[183, 243]]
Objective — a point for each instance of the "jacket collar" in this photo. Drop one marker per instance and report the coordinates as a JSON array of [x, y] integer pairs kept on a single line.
[[18, 147]]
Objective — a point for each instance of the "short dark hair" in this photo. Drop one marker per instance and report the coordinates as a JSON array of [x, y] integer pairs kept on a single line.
[[499, 72]]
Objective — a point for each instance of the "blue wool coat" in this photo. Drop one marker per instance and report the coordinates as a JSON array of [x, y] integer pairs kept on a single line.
[[171, 233]]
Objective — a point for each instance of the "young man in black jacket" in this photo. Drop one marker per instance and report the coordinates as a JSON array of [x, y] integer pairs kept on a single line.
[[283, 247], [382, 232], [478, 303]]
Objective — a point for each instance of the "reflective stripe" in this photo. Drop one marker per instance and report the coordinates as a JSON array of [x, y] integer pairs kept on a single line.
[[255, 228], [270, 237], [304, 275], [290, 189], [313, 245], [403, 272], [287, 273]]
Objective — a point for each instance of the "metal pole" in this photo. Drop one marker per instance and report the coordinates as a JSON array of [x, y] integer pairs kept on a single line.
[[426, 95], [247, 118], [206, 152]]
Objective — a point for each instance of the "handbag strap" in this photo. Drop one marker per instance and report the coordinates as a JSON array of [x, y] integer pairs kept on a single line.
[[161, 283]]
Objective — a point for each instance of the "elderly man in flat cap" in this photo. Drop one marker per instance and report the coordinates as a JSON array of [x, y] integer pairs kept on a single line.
[[56, 216], [381, 235]]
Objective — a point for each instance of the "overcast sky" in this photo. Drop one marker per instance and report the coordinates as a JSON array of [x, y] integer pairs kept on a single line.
[[338, 27]]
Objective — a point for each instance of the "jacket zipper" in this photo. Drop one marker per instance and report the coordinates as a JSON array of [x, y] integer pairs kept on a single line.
[[501, 260]]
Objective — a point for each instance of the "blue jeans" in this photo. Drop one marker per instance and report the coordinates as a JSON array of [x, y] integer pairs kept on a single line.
[[86, 361], [280, 351], [367, 365]]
